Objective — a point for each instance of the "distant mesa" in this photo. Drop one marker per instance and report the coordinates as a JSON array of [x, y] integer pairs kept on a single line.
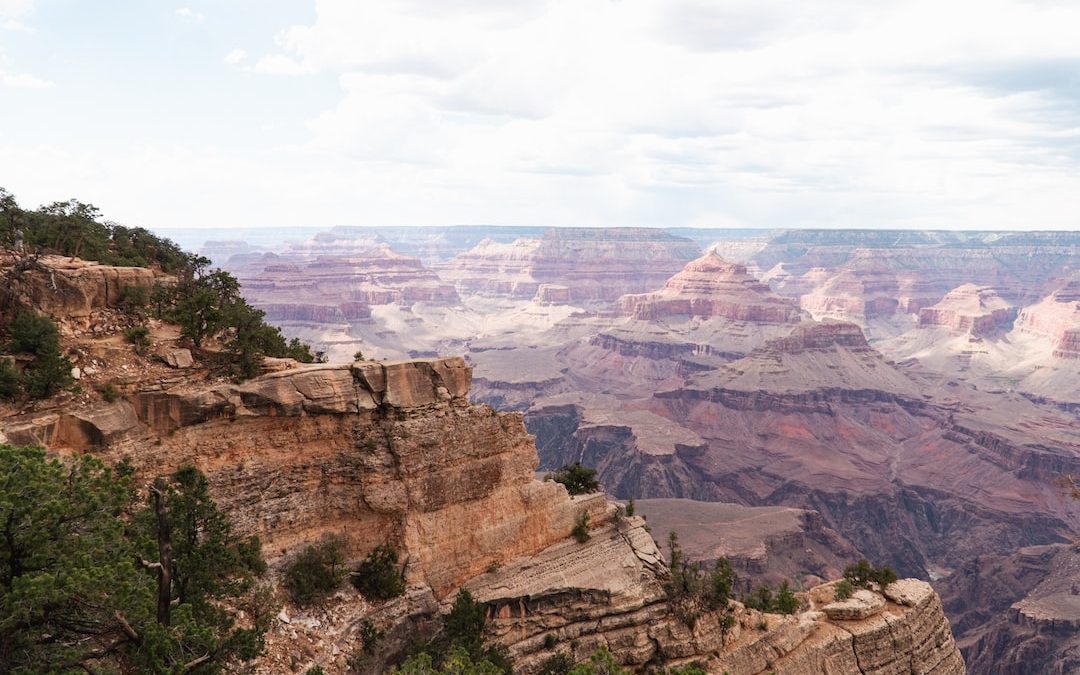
[[594, 264], [969, 308], [1056, 318], [711, 287], [329, 278]]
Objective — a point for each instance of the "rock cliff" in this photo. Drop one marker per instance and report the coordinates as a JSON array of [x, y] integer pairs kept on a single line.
[[69, 288], [711, 287], [976, 310], [598, 264]]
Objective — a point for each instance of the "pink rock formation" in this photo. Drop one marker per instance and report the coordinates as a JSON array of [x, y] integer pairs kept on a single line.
[[977, 310], [594, 264], [337, 278], [712, 287], [1057, 318]]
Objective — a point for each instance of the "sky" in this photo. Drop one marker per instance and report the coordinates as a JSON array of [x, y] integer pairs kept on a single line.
[[954, 114]]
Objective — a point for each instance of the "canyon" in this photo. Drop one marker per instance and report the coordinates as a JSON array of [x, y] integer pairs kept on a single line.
[[905, 396], [393, 452]]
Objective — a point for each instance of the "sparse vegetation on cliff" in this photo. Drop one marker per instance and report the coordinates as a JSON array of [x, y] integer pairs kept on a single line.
[[205, 303], [581, 528], [780, 601], [378, 576], [459, 645], [862, 574], [49, 370], [577, 478], [91, 582], [691, 591], [316, 571]]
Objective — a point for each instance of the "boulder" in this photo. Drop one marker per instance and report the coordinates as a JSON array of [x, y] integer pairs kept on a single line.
[[861, 605]]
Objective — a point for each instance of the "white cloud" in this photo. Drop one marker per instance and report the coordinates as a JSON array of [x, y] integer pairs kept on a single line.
[[189, 13], [235, 57], [10, 78], [16, 7], [601, 112], [15, 25]]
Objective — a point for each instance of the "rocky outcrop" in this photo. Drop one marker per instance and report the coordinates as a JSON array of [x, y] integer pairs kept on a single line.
[[1057, 319], [971, 309], [592, 264], [711, 287], [561, 601], [68, 289]]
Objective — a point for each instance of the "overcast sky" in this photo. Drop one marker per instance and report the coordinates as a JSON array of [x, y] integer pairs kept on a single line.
[[834, 113]]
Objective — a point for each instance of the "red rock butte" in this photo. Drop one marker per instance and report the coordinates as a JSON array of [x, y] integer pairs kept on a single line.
[[711, 287]]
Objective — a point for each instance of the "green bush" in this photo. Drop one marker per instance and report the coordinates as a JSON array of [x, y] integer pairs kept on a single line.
[[316, 572], [602, 662], [33, 333], [578, 479], [109, 392], [581, 529], [9, 380], [314, 670], [763, 599], [50, 371], [862, 574], [138, 336], [47, 375], [134, 298], [557, 664], [630, 507], [459, 646], [378, 576], [844, 589]]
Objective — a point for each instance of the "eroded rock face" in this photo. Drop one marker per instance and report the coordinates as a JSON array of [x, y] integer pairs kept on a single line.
[[70, 289], [328, 278], [596, 264], [976, 310], [1056, 318], [561, 601], [1018, 613], [712, 287]]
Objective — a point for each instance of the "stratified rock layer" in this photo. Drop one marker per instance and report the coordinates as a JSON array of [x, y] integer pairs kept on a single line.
[[977, 310], [712, 287], [70, 289], [572, 264]]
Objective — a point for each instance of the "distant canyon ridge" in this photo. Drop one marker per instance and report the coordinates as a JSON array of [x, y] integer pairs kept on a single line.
[[915, 392]]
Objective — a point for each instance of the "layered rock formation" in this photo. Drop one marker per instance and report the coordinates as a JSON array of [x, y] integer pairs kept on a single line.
[[976, 310], [765, 544], [1055, 318], [551, 603], [819, 420], [598, 264], [336, 277], [711, 287], [1018, 614], [69, 288]]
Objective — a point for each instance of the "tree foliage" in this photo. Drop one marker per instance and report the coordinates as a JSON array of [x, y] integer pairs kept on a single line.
[[204, 302], [780, 601], [49, 371], [461, 636], [316, 571], [84, 588], [378, 576], [74, 228], [577, 478], [692, 591], [862, 574]]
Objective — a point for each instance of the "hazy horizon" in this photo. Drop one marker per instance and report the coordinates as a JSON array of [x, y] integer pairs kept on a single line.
[[594, 113]]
